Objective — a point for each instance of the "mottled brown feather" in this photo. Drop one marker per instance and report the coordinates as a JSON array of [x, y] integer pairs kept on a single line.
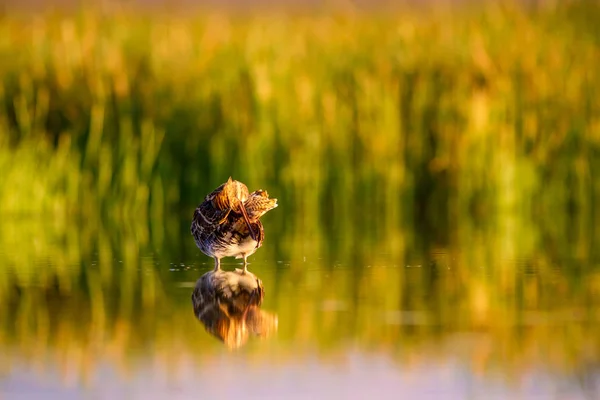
[[218, 226], [258, 204]]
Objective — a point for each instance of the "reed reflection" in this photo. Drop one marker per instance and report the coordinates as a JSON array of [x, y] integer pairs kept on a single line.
[[228, 304]]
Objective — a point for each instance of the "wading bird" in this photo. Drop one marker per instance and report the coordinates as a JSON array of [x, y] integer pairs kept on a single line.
[[227, 223]]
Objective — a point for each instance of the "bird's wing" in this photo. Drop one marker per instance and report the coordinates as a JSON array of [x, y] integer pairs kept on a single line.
[[206, 215], [214, 209]]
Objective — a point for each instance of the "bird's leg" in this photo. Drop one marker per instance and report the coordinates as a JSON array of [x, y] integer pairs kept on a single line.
[[245, 264], [217, 264]]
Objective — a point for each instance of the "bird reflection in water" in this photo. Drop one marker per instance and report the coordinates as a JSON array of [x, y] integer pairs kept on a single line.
[[228, 304]]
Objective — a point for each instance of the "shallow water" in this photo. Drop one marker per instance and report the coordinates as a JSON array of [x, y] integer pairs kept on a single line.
[[506, 312]]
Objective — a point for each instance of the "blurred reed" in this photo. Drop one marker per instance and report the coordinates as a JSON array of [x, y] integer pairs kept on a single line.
[[480, 111]]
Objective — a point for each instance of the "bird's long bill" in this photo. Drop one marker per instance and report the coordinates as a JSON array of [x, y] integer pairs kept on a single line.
[[245, 214]]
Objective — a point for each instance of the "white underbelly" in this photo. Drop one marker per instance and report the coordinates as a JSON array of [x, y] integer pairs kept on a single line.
[[239, 250]]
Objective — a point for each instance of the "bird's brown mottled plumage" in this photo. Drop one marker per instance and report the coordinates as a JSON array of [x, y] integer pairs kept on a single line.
[[258, 204], [227, 222]]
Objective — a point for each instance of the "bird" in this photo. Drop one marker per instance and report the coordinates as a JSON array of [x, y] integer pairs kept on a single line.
[[227, 223]]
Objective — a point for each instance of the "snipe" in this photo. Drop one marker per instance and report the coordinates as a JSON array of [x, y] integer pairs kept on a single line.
[[227, 223]]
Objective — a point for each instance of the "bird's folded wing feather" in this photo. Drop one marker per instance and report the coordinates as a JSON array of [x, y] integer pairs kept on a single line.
[[213, 210], [206, 215]]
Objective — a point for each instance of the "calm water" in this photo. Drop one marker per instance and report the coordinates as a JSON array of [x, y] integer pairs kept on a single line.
[[511, 311]]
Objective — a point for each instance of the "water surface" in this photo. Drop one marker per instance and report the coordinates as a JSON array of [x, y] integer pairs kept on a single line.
[[92, 312]]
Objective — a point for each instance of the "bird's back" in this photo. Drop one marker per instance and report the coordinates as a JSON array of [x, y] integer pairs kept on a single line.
[[230, 238]]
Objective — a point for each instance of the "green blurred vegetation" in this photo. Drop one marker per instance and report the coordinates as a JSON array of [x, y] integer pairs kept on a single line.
[[464, 111], [436, 173]]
